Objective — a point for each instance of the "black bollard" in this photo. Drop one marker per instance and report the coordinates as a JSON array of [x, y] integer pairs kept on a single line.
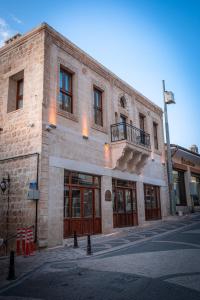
[[89, 249], [11, 273], [75, 240]]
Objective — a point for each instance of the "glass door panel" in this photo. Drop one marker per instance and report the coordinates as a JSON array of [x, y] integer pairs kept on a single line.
[[134, 200], [87, 203], [153, 198], [128, 201], [66, 203], [120, 201], [122, 127], [97, 203], [76, 203]]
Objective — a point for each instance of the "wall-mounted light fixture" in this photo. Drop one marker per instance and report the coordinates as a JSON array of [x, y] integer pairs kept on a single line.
[[107, 157], [4, 184], [30, 124], [85, 130], [48, 127]]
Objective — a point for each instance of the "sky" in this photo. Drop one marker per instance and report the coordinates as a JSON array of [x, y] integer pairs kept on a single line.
[[141, 41]]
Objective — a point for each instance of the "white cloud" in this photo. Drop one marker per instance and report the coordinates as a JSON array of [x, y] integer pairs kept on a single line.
[[17, 20], [5, 31]]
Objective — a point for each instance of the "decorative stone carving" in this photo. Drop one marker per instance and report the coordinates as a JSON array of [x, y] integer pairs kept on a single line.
[[129, 157]]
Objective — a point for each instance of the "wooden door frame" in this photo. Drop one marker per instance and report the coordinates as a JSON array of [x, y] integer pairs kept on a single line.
[[158, 203], [134, 213], [95, 224]]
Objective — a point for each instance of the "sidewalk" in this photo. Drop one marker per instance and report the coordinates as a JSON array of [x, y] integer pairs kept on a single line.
[[120, 238], [123, 237]]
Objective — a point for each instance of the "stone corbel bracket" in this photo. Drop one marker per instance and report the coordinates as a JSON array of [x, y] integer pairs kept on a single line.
[[128, 157]]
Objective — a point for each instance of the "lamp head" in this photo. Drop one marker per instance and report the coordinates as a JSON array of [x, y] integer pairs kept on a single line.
[[169, 97], [3, 185]]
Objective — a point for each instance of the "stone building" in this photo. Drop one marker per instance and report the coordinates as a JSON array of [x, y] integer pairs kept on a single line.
[[186, 178], [91, 144]]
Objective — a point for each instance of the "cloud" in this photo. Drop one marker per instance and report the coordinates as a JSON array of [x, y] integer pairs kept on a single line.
[[5, 31], [17, 20]]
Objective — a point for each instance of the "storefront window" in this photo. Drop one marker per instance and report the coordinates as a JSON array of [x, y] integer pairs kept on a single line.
[[128, 200], [66, 202], [179, 187], [120, 201], [81, 195], [76, 203], [195, 189], [88, 194], [97, 203]]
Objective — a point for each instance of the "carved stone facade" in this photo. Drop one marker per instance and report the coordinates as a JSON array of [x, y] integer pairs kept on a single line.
[[72, 141]]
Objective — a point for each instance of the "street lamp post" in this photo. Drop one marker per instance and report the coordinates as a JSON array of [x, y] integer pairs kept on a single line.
[[5, 186], [169, 99]]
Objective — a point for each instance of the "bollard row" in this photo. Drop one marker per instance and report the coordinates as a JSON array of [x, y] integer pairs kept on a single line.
[[89, 247]]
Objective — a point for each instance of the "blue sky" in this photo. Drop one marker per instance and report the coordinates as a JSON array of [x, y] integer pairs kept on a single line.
[[142, 41]]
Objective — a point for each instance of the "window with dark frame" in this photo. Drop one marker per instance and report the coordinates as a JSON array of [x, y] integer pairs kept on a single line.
[[142, 127], [123, 102], [155, 135], [142, 121], [66, 96], [20, 92], [98, 110], [15, 92]]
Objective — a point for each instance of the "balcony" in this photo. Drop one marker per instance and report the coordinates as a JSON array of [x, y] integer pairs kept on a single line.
[[130, 147]]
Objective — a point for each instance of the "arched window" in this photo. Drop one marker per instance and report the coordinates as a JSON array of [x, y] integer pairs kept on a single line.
[[123, 102]]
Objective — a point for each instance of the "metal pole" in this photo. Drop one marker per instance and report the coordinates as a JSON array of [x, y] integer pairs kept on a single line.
[[89, 248], [11, 273], [7, 214], [75, 240], [169, 158]]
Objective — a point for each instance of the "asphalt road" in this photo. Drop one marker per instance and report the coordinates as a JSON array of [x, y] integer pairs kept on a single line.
[[165, 267]]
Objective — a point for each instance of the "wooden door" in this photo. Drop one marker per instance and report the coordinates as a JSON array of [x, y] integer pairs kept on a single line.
[[124, 208], [82, 212], [152, 202]]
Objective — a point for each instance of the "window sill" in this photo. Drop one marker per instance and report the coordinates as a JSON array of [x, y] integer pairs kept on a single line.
[[67, 115], [19, 110]]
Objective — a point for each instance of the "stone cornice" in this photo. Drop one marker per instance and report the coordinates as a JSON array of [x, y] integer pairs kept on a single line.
[[85, 59], [22, 39]]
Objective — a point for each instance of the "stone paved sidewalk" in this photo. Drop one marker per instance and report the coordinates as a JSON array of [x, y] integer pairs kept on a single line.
[[120, 238], [124, 237]]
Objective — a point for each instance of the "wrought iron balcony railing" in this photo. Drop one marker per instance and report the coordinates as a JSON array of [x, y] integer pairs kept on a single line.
[[124, 131]]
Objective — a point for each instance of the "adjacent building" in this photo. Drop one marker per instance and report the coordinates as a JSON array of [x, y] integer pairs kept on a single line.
[[186, 177], [77, 137]]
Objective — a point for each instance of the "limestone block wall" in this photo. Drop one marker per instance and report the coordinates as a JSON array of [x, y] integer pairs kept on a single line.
[[20, 129], [106, 206], [65, 148], [55, 218]]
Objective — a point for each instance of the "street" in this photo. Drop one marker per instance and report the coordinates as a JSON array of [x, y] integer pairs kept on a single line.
[[164, 266]]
